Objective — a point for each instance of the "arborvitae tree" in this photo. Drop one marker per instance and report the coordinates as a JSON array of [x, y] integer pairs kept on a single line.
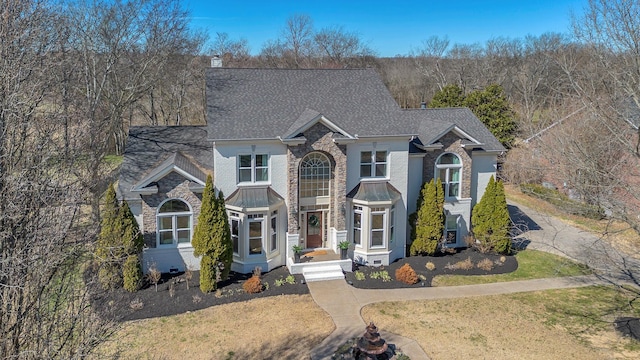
[[440, 194], [492, 108], [482, 214], [224, 252], [132, 273], [132, 240], [108, 248], [429, 222], [490, 219], [108, 238], [501, 240], [212, 239], [449, 96], [132, 243]]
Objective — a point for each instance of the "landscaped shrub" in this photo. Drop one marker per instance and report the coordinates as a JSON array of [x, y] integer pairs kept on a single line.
[[430, 266], [485, 264], [136, 304], [406, 274], [253, 285], [154, 275], [109, 276], [490, 220], [132, 273], [429, 222], [359, 275], [466, 264], [212, 239], [382, 275]]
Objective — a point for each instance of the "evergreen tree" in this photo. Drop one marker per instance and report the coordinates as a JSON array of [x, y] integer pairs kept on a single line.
[[108, 250], [429, 222], [132, 273], [490, 219], [132, 240], [132, 243], [212, 239], [450, 96], [492, 108], [501, 240], [481, 216]]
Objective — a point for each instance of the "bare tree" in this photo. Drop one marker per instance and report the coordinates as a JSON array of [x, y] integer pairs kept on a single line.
[[45, 309], [605, 74]]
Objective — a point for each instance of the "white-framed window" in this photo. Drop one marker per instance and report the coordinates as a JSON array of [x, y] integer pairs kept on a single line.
[[449, 171], [392, 224], [377, 225], [357, 225], [315, 175], [451, 229], [253, 168], [373, 164], [256, 222], [174, 219], [234, 225], [273, 245]]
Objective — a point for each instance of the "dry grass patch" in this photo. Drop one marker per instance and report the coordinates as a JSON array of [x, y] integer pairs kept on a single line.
[[619, 234], [466, 264], [283, 327], [558, 324]]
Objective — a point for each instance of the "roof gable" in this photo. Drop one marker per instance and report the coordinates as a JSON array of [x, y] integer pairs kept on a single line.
[[309, 118], [176, 162]]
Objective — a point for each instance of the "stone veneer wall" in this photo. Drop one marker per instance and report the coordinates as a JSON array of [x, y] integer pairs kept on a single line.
[[172, 186], [451, 144], [319, 138]]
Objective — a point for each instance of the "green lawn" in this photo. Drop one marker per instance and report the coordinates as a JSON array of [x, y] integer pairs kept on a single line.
[[532, 264]]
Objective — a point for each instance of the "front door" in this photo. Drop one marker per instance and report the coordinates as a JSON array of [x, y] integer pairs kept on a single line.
[[314, 229]]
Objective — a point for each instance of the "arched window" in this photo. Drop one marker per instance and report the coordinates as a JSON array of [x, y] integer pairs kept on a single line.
[[449, 171], [174, 223], [315, 175]]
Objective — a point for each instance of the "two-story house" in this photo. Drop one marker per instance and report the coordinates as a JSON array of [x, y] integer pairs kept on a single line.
[[306, 157]]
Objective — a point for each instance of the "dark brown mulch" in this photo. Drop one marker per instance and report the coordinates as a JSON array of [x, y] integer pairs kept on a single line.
[[418, 263], [162, 303]]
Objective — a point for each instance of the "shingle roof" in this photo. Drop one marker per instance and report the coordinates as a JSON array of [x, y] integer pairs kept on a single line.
[[150, 147], [270, 103], [264, 103]]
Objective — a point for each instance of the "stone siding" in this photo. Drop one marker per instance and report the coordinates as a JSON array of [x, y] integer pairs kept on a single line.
[[172, 186], [319, 138], [451, 144]]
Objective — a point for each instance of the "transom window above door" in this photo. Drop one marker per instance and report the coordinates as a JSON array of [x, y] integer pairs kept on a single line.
[[315, 175], [373, 164], [253, 168]]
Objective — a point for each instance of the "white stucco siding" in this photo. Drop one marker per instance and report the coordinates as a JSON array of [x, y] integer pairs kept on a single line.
[[484, 166], [226, 165], [136, 210], [415, 182], [397, 176]]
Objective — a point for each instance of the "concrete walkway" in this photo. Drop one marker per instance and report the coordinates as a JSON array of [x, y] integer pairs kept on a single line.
[[344, 302], [536, 231]]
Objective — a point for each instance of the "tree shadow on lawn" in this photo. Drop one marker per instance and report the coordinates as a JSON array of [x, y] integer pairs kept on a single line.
[[173, 297], [443, 263]]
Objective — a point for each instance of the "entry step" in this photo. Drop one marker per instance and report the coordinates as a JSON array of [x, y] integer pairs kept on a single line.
[[322, 273]]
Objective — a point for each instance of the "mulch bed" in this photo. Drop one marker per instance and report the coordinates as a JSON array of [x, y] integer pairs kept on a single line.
[[147, 303], [443, 263]]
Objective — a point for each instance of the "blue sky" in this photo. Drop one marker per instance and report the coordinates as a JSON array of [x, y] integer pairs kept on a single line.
[[388, 27]]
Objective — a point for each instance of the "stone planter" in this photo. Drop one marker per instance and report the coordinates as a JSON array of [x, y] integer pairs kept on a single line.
[[344, 254], [296, 258]]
